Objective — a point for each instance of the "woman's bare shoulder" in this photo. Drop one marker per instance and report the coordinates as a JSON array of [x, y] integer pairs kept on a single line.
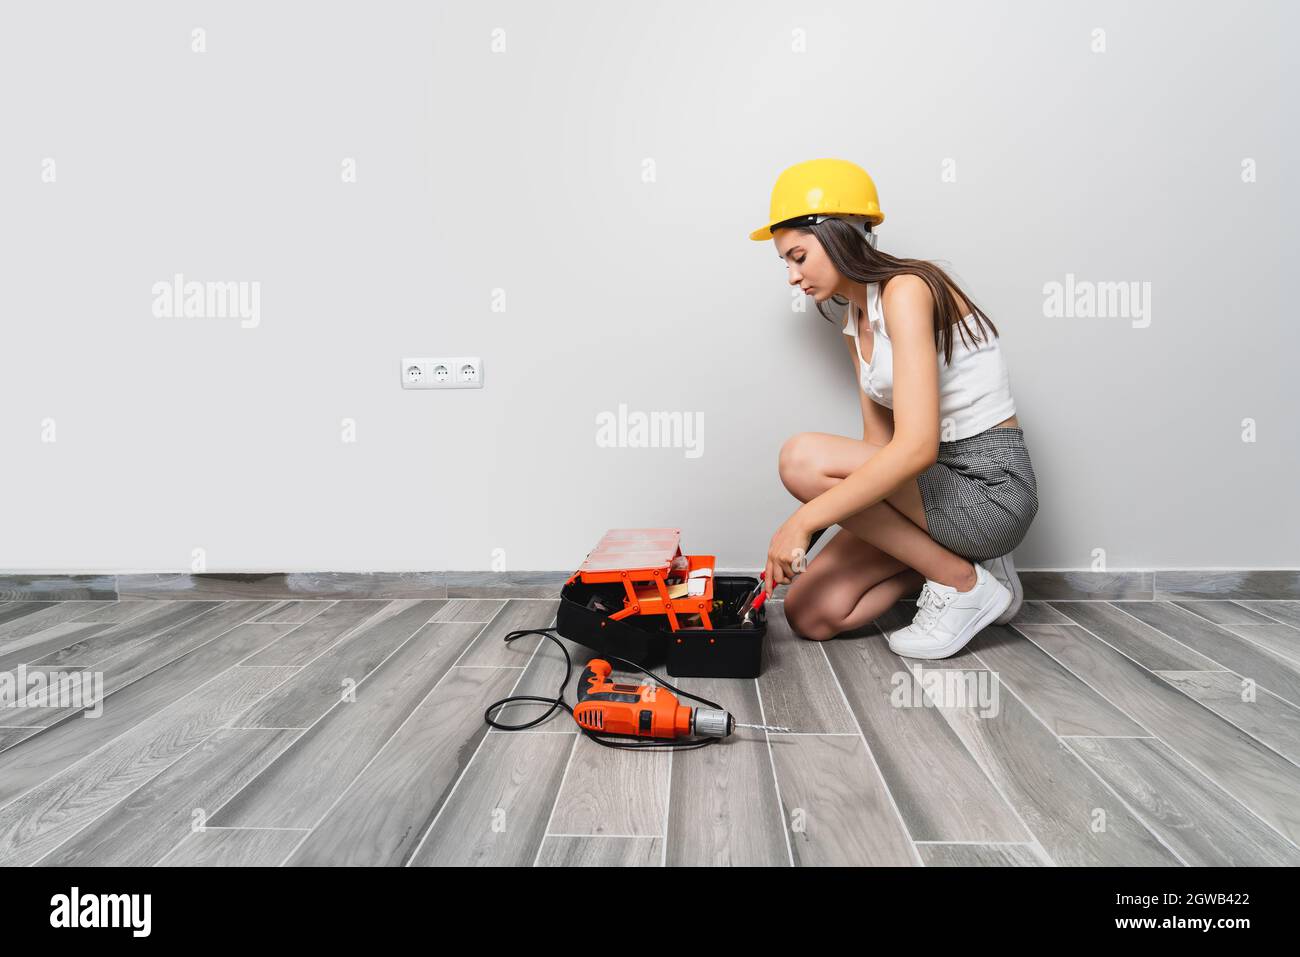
[[905, 295], [913, 287]]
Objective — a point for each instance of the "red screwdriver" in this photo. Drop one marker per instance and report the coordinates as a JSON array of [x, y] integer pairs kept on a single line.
[[752, 603]]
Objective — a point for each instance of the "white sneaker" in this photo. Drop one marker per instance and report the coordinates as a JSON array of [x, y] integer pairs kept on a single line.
[[1004, 570], [946, 619]]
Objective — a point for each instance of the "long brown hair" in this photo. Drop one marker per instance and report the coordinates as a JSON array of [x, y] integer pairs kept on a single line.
[[857, 259]]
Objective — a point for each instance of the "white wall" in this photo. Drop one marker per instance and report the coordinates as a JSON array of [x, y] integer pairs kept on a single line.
[[522, 171]]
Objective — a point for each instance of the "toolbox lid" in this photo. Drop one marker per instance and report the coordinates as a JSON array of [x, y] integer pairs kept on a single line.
[[621, 548]]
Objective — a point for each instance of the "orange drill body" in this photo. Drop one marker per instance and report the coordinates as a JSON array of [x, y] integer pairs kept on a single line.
[[643, 711]]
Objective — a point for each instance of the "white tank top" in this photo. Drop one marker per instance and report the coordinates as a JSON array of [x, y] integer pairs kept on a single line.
[[974, 390]]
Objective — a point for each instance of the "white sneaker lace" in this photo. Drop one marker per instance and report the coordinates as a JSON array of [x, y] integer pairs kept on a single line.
[[929, 606]]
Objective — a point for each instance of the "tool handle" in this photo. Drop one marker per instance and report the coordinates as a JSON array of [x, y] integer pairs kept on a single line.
[[595, 673], [752, 596]]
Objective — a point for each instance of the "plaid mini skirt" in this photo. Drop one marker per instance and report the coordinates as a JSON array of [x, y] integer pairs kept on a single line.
[[980, 496]]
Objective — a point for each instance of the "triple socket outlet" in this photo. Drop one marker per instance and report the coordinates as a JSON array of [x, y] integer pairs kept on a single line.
[[448, 372]]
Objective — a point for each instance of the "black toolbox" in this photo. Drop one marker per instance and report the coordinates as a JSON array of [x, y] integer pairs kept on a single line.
[[724, 650]]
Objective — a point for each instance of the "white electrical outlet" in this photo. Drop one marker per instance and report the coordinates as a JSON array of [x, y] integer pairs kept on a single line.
[[416, 374], [445, 372], [469, 372]]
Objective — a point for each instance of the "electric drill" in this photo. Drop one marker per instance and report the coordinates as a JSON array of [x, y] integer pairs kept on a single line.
[[645, 711]]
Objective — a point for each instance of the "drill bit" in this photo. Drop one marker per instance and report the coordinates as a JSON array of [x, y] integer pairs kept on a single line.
[[767, 727]]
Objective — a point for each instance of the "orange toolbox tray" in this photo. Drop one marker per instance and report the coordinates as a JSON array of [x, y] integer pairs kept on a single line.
[[643, 559]]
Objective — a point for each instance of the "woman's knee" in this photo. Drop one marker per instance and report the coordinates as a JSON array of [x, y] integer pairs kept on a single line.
[[805, 614], [799, 464], [809, 625]]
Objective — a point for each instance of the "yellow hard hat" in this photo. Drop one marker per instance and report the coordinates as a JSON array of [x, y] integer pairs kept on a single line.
[[818, 189]]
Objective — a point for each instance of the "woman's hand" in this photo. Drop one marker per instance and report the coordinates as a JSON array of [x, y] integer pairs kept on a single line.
[[787, 555]]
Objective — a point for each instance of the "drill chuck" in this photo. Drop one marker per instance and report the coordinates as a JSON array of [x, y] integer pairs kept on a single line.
[[712, 723]]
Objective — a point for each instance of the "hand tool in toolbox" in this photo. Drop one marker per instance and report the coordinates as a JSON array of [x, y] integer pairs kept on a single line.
[[753, 601]]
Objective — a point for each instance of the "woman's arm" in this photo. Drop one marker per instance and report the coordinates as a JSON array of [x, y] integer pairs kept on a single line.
[[914, 446]]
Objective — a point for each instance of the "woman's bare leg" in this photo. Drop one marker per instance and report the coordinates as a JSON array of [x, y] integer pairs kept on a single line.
[[847, 585], [812, 462], [854, 579]]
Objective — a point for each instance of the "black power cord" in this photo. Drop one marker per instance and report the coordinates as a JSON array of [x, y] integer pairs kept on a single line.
[[559, 702]]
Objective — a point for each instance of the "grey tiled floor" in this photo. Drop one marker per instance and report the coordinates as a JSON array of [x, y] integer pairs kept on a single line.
[[351, 731]]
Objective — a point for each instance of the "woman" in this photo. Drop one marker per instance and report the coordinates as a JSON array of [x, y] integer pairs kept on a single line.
[[940, 490]]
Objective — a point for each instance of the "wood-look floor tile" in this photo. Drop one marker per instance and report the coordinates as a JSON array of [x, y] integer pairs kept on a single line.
[[980, 855], [143, 828], [837, 809], [941, 791], [301, 784], [41, 616], [117, 612], [359, 620], [52, 692], [1259, 713], [295, 611], [1198, 820], [492, 651], [9, 610], [234, 847], [1274, 637], [1224, 612], [49, 640], [351, 642], [723, 806], [1263, 780], [93, 649], [542, 677], [607, 791], [381, 817], [1228, 651], [470, 609], [797, 687], [1074, 818], [43, 755], [1150, 647], [57, 808], [1058, 697], [11, 736], [601, 852], [156, 649], [1286, 612], [498, 812]]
